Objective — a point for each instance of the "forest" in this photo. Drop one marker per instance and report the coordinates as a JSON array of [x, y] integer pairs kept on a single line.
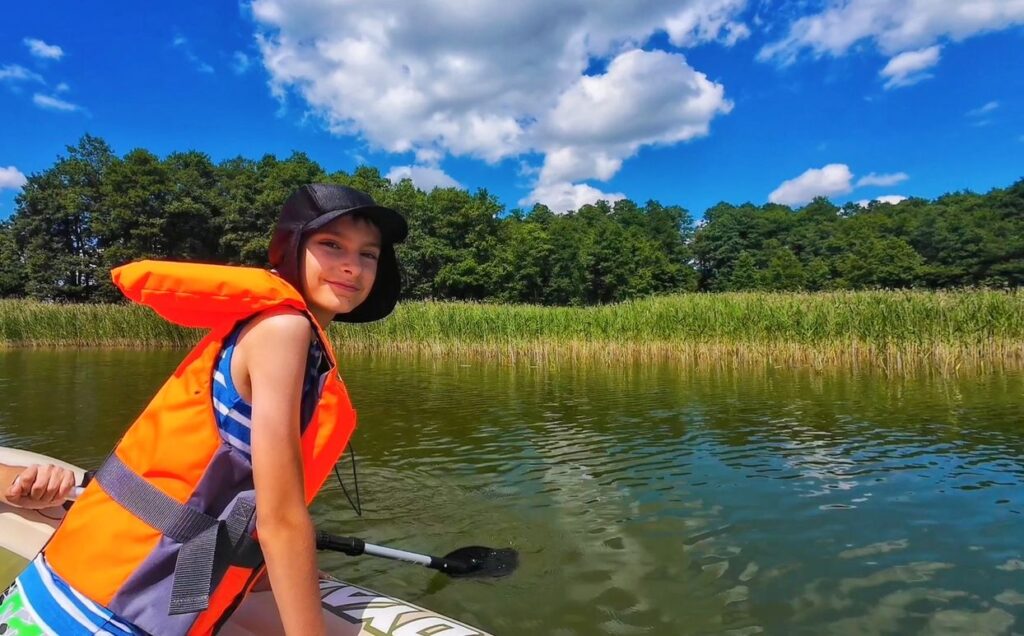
[[93, 210]]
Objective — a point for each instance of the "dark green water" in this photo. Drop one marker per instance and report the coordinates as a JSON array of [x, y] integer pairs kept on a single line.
[[644, 499]]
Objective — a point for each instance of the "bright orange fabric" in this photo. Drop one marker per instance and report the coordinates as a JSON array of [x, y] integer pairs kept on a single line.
[[99, 544]]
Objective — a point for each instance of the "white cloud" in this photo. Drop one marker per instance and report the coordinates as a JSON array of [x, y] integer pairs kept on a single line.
[[908, 68], [891, 199], [428, 156], [11, 178], [735, 31], [570, 163], [981, 111], [15, 73], [886, 180], [895, 26], [691, 23], [644, 98], [181, 42], [425, 178], [52, 103], [240, 62], [41, 49], [828, 181], [392, 72], [562, 197], [62, 87]]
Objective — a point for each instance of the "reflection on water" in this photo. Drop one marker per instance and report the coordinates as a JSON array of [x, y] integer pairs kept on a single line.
[[644, 499]]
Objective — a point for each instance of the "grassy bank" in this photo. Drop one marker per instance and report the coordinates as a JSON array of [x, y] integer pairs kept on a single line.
[[890, 328]]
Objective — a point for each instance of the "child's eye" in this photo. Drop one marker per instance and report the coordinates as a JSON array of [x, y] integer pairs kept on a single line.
[[329, 243], [370, 255]]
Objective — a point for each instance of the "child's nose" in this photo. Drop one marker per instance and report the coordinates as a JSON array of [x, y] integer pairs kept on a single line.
[[349, 261]]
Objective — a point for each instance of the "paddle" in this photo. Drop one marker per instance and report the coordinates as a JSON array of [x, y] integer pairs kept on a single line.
[[465, 562], [469, 561]]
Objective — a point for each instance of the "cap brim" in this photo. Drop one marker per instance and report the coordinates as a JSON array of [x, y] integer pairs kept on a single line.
[[392, 225]]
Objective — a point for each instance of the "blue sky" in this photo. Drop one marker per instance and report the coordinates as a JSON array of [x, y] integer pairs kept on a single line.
[[689, 102]]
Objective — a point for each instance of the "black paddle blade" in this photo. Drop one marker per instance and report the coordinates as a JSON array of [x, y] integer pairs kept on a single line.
[[480, 561]]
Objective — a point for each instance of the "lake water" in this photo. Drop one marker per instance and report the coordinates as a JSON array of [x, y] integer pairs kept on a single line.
[[644, 499]]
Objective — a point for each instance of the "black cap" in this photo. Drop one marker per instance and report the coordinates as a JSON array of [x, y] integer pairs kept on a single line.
[[314, 206]]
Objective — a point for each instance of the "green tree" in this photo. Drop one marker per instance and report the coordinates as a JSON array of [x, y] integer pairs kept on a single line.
[[248, 222], [12, 268], [521, 265], [53, 224], [238, 187], [818, 274], [568, 281], [784, 271], [195, 207], [880, 263], [132, 223], [744, 275], [467, 228]]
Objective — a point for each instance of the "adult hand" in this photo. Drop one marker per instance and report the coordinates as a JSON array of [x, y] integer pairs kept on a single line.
[[40, 486]]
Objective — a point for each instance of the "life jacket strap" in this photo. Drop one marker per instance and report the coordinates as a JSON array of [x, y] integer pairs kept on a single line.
[[208, 545]]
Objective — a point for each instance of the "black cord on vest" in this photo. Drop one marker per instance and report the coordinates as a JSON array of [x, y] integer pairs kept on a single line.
[[358, 505], [51, 518]]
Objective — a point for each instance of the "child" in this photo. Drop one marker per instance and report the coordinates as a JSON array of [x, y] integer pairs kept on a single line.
[[234, 445]]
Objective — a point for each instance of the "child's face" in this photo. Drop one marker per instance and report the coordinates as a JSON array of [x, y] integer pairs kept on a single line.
[[339, 266]]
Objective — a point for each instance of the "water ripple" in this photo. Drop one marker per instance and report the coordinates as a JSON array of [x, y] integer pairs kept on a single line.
[[648, 499]]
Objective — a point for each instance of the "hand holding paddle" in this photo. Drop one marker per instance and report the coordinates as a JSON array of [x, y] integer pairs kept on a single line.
[[40, 486]]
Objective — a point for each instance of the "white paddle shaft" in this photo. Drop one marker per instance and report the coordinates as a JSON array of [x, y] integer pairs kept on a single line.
[[400, 555]]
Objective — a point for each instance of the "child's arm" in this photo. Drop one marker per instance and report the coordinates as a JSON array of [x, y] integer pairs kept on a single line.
[[36, 486], [274, 351]]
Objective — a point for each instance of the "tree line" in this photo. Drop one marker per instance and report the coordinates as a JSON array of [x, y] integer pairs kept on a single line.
[[93, 210]]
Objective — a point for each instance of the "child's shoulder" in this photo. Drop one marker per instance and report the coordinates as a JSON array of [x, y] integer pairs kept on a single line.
[[282, 328]]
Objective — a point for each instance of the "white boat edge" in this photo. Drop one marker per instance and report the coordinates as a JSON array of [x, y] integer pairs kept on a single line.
[[349, 610]]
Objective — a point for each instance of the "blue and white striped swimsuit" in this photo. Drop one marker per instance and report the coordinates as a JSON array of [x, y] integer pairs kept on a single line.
[[234, 414], [40, 600]]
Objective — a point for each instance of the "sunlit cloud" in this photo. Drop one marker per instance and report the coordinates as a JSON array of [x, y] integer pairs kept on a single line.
[[48, 102], [522, 86], [890, 199], [884, 180], [42, 50], [562, 197], [425, 178], [907, 69], [11, 178], [830, 180], [13, 73]]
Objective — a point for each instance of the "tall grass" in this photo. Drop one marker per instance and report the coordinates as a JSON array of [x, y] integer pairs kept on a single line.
[[894, 328], [28, 323]]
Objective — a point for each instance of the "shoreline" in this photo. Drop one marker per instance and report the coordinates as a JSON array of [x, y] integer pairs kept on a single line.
[[944, 330], [892, 358]]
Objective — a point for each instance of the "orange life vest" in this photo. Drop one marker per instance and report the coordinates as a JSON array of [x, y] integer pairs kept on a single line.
[[110, 547]]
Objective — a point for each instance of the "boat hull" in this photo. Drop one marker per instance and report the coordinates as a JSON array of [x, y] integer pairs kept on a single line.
[[349, 610]]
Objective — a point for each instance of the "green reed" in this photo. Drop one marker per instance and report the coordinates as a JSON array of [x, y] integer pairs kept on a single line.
[[891, 327], [27, 323]]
